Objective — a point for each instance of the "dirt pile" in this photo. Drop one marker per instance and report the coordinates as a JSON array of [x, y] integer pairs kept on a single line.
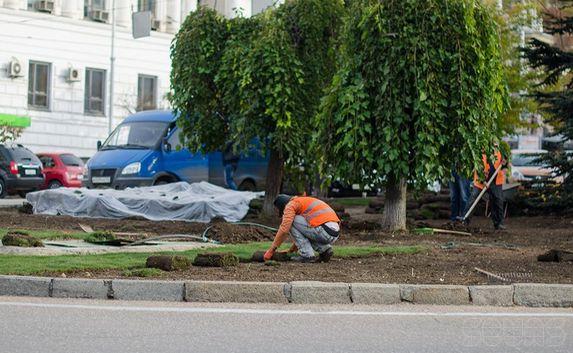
[[228, 233]]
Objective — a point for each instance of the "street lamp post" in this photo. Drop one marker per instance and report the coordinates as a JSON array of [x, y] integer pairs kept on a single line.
[[111, 68]]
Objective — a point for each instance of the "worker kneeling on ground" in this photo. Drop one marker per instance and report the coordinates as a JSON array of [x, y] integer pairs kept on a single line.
[[313, 225]]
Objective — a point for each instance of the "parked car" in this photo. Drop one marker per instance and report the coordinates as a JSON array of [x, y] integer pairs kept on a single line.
[[61, 169], [526, 167], [20, 170], [145, 150]]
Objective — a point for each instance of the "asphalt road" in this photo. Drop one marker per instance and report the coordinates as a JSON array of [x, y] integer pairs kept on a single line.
[[51, 325]]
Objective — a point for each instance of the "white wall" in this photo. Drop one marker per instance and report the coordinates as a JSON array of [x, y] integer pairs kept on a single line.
[[65, 43]]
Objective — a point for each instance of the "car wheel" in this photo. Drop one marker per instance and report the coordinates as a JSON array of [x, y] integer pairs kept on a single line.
[[162, 181], [54, 184], [247, 185], [2, 188]]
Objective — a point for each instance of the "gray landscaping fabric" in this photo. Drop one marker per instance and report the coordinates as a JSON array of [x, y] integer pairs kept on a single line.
[[197, 202]]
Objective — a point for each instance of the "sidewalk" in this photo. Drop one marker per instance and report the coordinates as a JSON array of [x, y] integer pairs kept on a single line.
[[7, 203]]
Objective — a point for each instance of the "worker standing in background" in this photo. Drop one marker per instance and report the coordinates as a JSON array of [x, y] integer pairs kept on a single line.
[[230, 163], [495, 191], [460, 189], [312, 224]]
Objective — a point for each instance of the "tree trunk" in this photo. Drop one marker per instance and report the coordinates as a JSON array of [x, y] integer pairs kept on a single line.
[[394, 217], [275, 173]]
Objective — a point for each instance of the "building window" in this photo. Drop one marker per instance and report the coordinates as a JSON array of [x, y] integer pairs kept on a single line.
[[39, 84], [91, 5], [146, 92], [146, 5], [95, 91]]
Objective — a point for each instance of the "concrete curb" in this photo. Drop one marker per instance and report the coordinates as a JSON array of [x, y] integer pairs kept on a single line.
[[526, 294]]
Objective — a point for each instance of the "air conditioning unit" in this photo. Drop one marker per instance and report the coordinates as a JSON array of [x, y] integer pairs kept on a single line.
[[99, 15], [15, 68], [73, 75], [155, 24], [44, 6]]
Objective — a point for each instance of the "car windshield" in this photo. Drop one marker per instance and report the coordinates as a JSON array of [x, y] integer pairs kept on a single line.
[[71, 161], [23, 155], [526, 160], [136, 135]]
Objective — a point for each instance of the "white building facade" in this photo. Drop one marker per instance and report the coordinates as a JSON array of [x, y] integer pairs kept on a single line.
[[55, 64]]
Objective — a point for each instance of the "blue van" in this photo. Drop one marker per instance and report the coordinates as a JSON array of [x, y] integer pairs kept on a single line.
[[145, 150]]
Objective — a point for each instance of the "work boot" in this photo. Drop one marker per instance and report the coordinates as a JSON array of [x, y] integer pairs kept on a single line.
[[500, 227], [325, 256], [303, 259]]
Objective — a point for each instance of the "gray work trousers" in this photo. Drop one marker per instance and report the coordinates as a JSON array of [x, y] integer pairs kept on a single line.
[[308, 238]]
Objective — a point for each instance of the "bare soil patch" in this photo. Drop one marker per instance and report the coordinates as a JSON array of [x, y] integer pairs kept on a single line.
[[448, 259]]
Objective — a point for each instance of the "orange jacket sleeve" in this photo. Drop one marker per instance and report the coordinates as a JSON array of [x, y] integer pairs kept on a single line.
[[290, 211]]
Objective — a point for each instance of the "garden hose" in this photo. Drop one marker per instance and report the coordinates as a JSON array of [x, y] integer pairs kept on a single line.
[[185, 236], [203, 236]]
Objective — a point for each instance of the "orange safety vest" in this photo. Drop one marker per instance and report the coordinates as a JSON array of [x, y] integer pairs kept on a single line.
[[499, 179], [315, 211]]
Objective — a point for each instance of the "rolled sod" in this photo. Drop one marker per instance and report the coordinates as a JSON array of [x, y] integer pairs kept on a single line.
[[216, 260], [258, 256], [168, 263]]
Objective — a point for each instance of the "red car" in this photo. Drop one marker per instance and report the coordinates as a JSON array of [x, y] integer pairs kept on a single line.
[[61, 169]]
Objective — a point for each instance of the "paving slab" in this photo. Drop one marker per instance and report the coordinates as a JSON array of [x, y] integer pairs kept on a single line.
[[375, 293], [501, 295], [435, 294], [80, 247], [543, 295], [10, 203], [81, 288], [319, 293], [25, 286], [148, 290], [235, 292]]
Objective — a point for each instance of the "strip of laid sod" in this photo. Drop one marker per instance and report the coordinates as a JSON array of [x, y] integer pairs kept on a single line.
[[38, 265], [48, 234]]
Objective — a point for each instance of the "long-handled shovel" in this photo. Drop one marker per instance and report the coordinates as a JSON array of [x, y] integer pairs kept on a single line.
[[481, 193]]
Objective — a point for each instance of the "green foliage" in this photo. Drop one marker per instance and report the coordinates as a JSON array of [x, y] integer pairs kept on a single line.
[[555, 89], [196, 54], [419, 87], [511, 21], [260, 77], [9, 133]]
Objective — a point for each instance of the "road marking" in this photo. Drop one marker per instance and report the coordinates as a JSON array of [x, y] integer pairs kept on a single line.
[[278, 311]]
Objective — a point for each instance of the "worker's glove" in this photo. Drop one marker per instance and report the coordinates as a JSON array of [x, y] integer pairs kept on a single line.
[[269, 254]]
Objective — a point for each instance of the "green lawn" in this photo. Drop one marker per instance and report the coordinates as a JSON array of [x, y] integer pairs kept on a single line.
[[48, 234], [134, 262]]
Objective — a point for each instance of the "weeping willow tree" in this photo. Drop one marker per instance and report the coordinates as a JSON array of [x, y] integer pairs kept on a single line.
[[419, 88], [258, 78]]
